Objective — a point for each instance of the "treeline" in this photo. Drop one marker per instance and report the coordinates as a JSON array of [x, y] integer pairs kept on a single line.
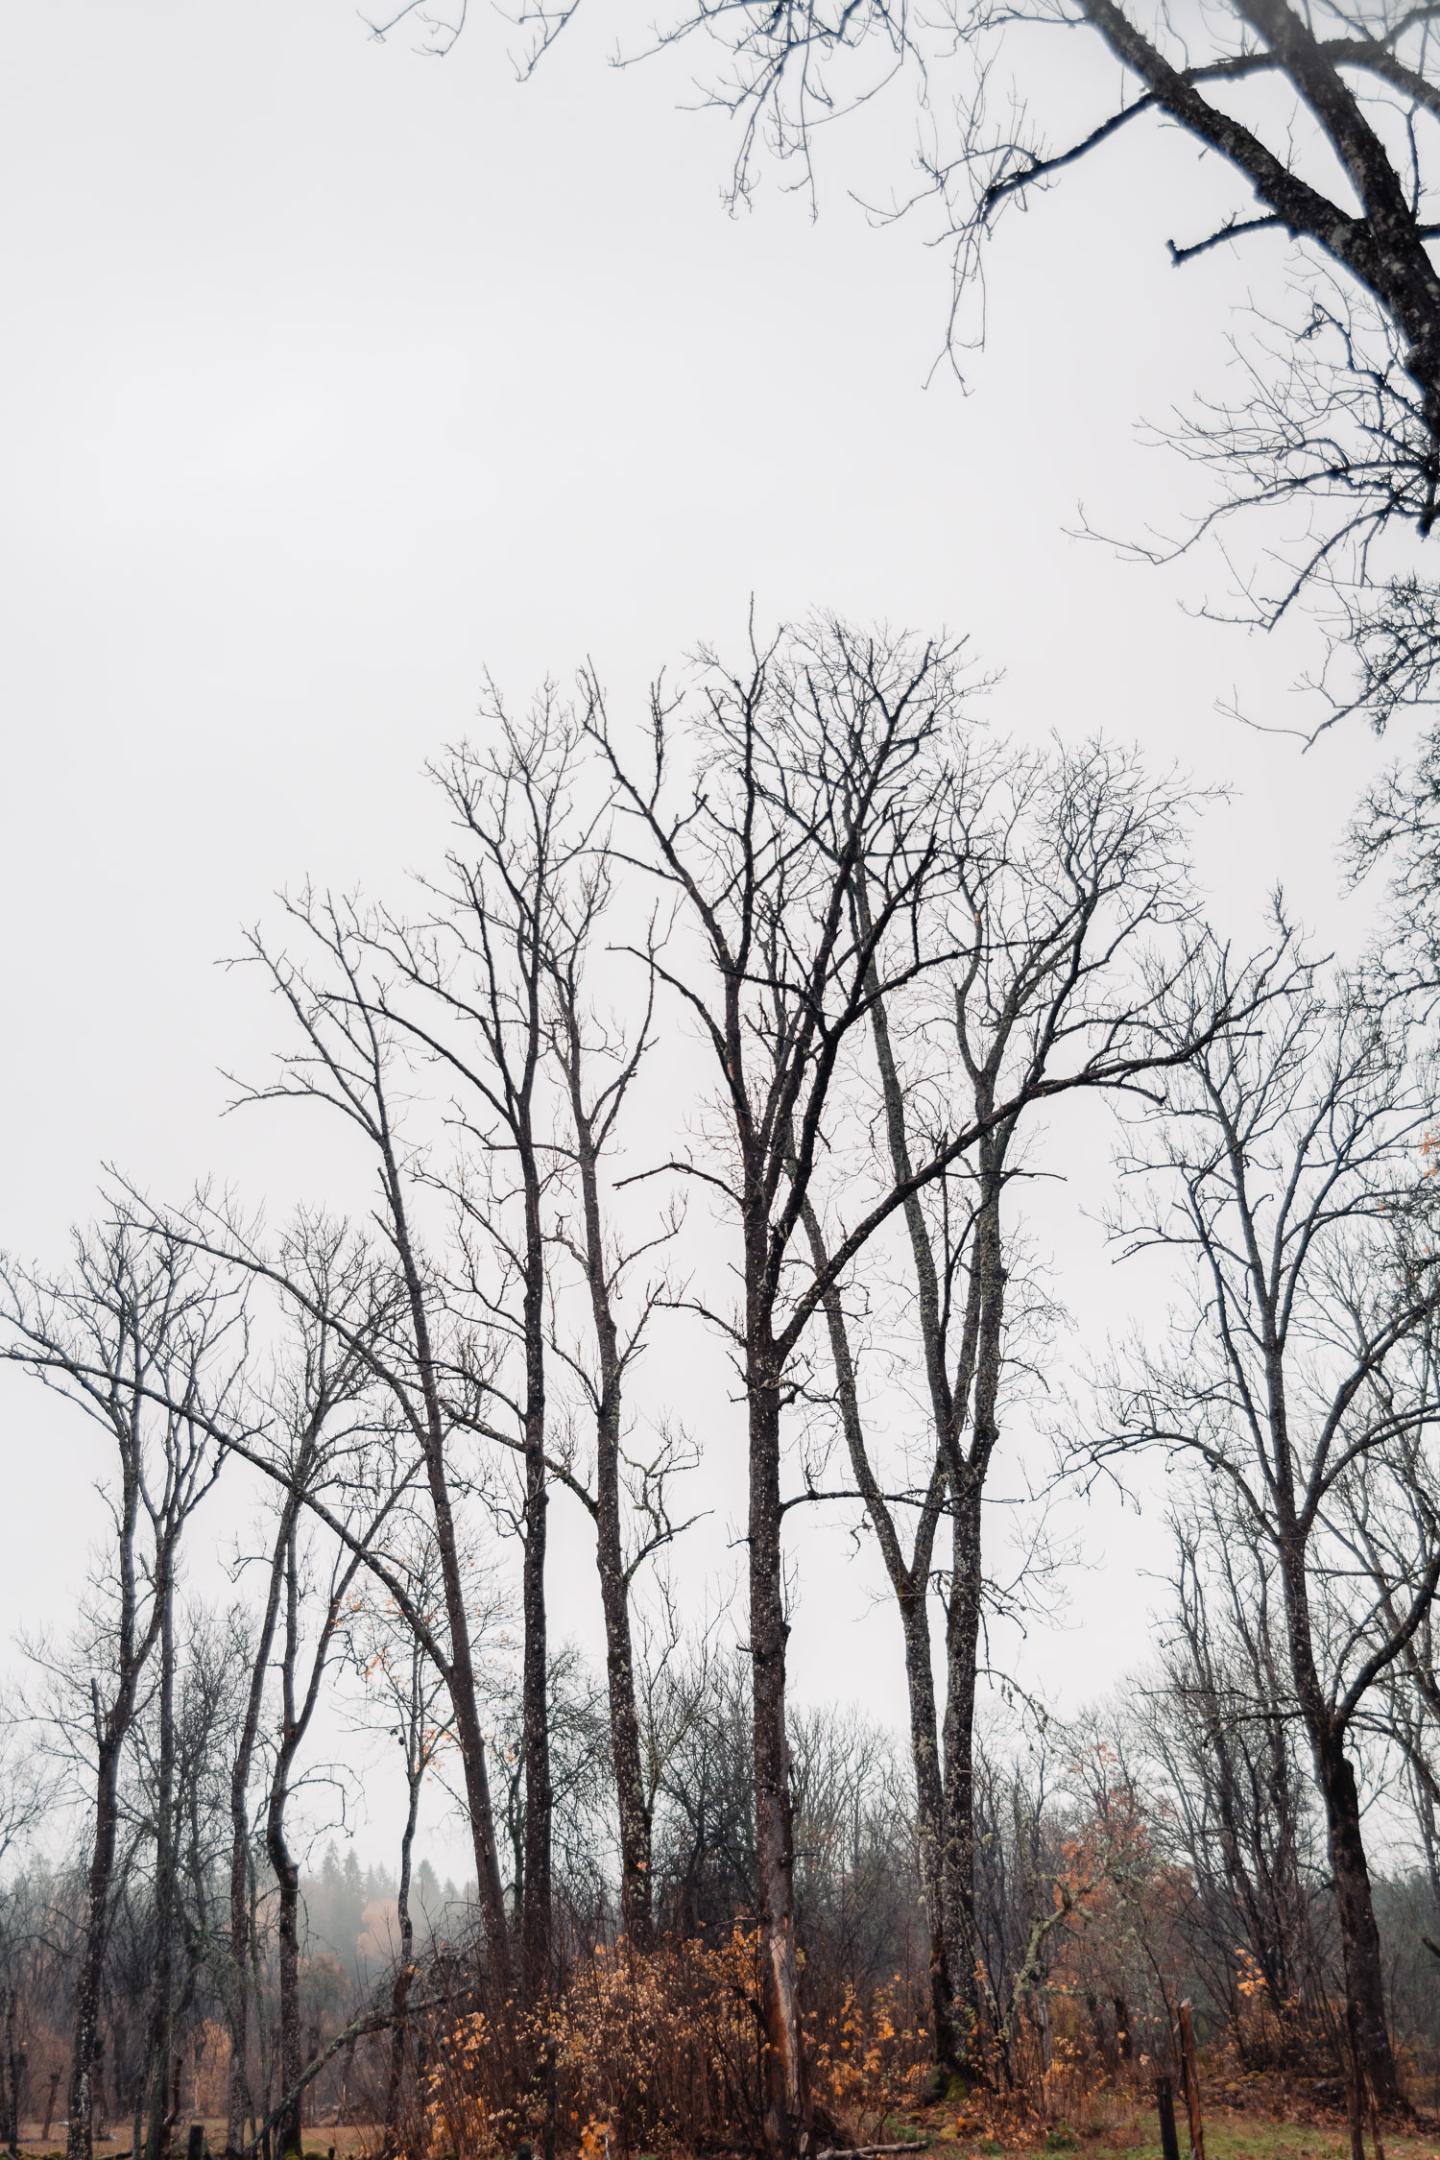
[[759, 1022], [1102, 1905]]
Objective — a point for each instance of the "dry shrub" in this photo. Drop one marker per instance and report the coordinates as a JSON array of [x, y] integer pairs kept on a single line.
[[659, 2051], [869, 2057], [644, 2051]]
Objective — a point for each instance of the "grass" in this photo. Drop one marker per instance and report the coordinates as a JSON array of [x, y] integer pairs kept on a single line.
[[1257, 2140], [1233, 2138]]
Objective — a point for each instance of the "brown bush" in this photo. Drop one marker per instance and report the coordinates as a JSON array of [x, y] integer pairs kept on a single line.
[[660, 2051], [641, 2051]]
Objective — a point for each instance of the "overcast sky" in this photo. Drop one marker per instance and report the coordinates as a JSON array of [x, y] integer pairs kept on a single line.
[[336, 376]]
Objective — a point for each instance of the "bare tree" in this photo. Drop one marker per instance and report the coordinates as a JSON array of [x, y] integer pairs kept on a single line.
[[26, 1795], [494, 989], [326, 1425], [409, 1697], [1321, 125], [149, 1343], [1219, 1728], [819, 760], [469, 989], [1070, 871], [1287, 1174], [423, 1363], [599, 1063], [808, 850]]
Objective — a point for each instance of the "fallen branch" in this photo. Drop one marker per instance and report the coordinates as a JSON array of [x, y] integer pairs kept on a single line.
[[872, 2152], [374, 2021]]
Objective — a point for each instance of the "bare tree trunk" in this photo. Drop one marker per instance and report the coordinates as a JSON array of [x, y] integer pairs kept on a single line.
[[631, 1801], [512, 803], [929, 1820], [405, 1973], [787, 2100], [52, 2090], [460, 1664], [263, 2034], [968, 1395], [460, 1674], [237, 2089], [535, 1661], [159, 2034], [290, 2129], [962, 1645], [966, 1589], [910, 1582], [136, 1332], [1359, 1933], [1335, 1776], [415, 1381], [86, 2030], [14, 2075]]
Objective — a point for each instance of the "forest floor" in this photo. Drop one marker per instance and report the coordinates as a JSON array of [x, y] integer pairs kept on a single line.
[[1117, 2132], [347, 2141], [1119, 2127], [1248, 2138]]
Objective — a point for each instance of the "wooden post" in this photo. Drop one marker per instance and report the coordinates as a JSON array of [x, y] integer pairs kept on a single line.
[[1165, 2104], [1190, 2081], [195, 2143]]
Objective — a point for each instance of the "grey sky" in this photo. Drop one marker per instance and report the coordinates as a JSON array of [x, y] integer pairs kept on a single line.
[[336, 375]]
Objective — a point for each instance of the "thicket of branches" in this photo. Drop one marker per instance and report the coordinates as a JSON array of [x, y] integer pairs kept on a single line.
[[1315, 126], [732, 1043]]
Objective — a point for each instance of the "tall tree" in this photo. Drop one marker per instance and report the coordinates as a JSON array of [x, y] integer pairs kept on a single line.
[[469, 988], [423, 1362], [806, 846], [326, 1426], [409, 1699], [1070, 874], [1285, 1174], [628, 1496]]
